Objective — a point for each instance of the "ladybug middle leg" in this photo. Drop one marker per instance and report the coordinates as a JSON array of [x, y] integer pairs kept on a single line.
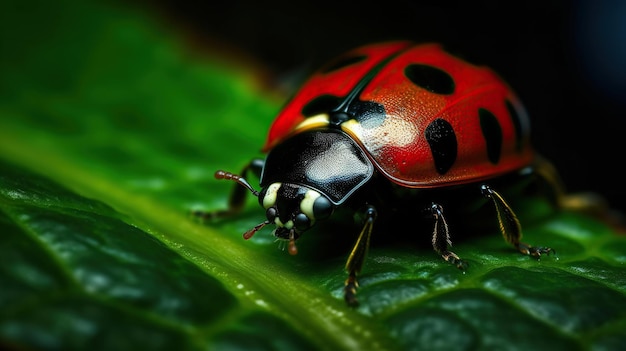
[[357, 256], [441, 238], [237, 198], [510, 226]]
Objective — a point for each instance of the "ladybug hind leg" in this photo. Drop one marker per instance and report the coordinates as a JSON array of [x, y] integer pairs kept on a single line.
[[587, 203], [510, 225]]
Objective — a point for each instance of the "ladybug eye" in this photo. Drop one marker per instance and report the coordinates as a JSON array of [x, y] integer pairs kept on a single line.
[[322, 208], [271, 214], [301, 222]]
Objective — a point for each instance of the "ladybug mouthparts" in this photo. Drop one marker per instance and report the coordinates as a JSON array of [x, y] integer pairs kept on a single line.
[[287, 235], [284, 234]]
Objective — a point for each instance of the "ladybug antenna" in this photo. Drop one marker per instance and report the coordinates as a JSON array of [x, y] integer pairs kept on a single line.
[[229, 176], [248, 234]]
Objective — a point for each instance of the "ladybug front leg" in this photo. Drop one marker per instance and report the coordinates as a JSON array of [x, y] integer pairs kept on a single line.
[[441, 238], [510, 226], [357, 257], [237, 198]]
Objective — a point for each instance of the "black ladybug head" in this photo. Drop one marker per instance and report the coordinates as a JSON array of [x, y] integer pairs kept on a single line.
[[293, 209]]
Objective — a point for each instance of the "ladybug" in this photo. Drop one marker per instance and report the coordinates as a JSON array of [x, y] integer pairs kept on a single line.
[[387, 124]]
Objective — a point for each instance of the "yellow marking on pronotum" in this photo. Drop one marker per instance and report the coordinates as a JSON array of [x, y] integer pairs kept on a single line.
[[317, 121]]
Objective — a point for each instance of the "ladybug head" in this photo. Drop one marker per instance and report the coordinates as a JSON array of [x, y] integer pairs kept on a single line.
[[293, 209]]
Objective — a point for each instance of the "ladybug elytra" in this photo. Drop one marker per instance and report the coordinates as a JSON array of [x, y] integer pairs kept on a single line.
[[382, 118]]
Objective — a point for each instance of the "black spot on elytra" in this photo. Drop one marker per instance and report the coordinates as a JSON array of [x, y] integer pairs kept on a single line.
[[517, 125], [493, 134], [430, 78], [369, 114], [342, 62], [321, 104], [443, 145]]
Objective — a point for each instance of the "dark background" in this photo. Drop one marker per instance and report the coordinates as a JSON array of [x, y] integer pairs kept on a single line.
[[565, 59]]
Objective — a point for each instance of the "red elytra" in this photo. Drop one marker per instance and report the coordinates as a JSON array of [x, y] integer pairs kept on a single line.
[[489, 126]]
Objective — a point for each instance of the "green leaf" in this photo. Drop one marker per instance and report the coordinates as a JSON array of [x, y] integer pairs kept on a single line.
[[110, 131]]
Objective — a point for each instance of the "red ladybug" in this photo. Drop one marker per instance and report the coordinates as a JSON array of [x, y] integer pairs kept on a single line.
[[386, 124]]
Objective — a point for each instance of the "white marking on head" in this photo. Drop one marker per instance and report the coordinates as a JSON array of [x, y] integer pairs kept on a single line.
[[269, 199], [279, 223], [306, 205], [288, 225]]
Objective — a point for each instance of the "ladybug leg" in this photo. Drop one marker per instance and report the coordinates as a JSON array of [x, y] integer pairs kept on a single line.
[[510, 226], [237, 198], [588, 203], [357, 257], [441, 238], [583, 202]]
